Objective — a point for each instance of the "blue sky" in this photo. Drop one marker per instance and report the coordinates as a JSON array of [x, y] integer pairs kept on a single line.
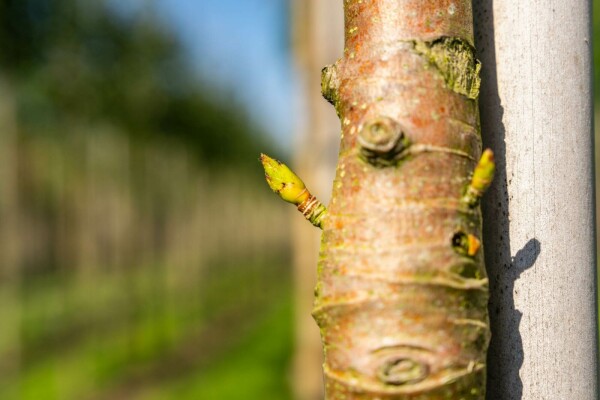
[[241, 46]]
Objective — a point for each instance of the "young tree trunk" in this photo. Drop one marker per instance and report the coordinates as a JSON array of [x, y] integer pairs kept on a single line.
[[402, 292], [11, 223]]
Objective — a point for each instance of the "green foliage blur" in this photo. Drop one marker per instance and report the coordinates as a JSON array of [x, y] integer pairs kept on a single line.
[[82, 62], [140, 255]]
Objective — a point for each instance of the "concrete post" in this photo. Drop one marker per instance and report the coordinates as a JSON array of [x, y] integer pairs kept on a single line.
[[539, 226]]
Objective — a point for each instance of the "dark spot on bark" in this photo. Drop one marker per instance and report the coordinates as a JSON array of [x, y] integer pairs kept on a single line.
[[460, 242]]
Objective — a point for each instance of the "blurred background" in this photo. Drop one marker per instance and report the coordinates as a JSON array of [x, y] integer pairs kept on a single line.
[[142, 256]]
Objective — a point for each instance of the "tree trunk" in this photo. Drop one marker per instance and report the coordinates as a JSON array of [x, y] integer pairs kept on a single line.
[[318, 39], [10, 233], [536, 108], [402, 292]]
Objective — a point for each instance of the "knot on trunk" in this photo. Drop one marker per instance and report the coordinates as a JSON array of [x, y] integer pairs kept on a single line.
[[382, 141], [401, 371]]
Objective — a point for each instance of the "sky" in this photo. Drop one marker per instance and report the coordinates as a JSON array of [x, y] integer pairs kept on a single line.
[[241, 46]]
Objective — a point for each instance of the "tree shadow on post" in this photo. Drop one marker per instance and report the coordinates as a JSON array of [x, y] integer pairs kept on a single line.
[[505, 356]]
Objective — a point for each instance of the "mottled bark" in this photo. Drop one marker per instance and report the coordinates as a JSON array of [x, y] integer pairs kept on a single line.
[[402, 292]]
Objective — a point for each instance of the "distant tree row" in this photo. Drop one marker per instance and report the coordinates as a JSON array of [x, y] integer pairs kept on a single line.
[[84, 62]]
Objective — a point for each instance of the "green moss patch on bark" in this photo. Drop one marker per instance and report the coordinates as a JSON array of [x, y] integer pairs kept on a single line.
[[455, 59]]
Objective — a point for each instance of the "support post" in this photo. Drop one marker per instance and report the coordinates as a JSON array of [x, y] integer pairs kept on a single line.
[[539, 229]]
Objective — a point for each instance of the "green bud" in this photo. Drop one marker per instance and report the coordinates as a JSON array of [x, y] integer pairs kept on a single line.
[[283, 181], [484, 172], [482, 179]]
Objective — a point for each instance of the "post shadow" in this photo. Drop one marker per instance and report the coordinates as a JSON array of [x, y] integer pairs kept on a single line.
[[505, 355]]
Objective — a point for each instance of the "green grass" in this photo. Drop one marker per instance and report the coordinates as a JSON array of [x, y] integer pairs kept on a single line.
[[256, 368], [135, 337]]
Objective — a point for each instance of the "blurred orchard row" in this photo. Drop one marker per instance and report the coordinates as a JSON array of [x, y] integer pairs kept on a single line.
[[140, 254]]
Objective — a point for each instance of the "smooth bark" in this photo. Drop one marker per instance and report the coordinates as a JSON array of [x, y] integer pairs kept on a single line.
[[402, 295]]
